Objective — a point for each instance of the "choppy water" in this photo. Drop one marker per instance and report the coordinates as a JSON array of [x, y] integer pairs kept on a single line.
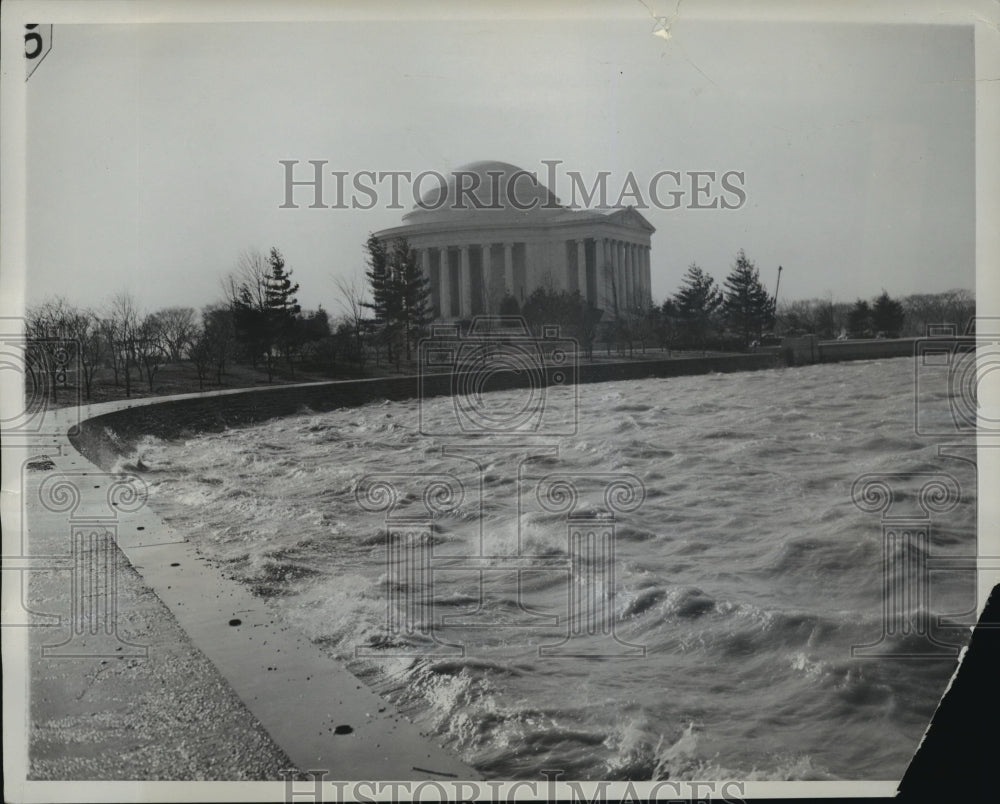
[[747, 573]]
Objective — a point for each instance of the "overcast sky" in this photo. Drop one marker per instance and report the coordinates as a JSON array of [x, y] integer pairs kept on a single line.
[[154, 149]]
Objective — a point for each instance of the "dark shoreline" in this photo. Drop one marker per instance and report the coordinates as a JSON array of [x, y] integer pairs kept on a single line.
[[105, 437]]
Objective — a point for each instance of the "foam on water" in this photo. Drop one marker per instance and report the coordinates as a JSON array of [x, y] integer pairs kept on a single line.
[[748, 574]]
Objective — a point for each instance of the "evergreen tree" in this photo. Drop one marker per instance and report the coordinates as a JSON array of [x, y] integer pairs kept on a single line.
[[281, 306], [826, 319], [250, 320], [669, 318], [888, 316], [414, 291], [400, 295], [747, 304], [859, 320], [379, 279], [547, 307], [279, 290], [386, 303], [509, 305], [316, 325], [697, 303], [263, 305]]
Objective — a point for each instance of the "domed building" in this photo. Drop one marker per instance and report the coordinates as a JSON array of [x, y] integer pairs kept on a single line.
[[493, 229]]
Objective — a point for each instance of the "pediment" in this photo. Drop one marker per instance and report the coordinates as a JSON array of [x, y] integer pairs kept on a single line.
[[631, 217]]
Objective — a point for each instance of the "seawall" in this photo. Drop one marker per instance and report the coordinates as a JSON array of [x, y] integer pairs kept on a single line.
[[302, 698], [808, 349], [272, 698], [105, 437]]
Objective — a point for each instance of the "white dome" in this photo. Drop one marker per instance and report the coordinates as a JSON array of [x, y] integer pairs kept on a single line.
[[494, 189]]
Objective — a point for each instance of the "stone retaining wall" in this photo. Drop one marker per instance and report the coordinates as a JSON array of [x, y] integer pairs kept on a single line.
[[103, 438], [835, 351]]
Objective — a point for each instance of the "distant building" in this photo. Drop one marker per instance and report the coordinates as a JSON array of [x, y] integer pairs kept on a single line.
[[511, 235]]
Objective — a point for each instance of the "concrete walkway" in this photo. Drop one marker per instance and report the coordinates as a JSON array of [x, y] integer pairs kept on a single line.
[[169, 669]]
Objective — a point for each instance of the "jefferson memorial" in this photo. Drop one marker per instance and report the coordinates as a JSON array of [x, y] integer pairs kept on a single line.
[[493, 229]]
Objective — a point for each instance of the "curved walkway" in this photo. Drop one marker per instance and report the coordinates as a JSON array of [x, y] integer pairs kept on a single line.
[[148, 700], [142, 701]]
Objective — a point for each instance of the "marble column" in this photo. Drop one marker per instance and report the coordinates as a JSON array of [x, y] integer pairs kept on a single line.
[[620, 275], [642, 276], [647, 279], [636, 296], [627, 278], [626, 270], [640, 293], [613, 290], [487, 278], [465, 283], [616, 263], [444, 282], [530, 266], [508, 268], [609, 276], [581, 268], [598, 299], [425, 268], [647, 294], [640, 297], [608, 270]]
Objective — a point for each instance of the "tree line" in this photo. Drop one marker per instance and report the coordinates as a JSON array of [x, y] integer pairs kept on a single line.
[[258, 323], [908, 316], [700, 315]]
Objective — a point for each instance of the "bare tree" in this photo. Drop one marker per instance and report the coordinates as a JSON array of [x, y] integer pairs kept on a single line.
[[218, 337], [251, 273], [955, 307], [245, 290], [177, 328], [149, 348], [50, 339], [353, 304], [125, 320], [107, 330], [201, 356], [84, 328]]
